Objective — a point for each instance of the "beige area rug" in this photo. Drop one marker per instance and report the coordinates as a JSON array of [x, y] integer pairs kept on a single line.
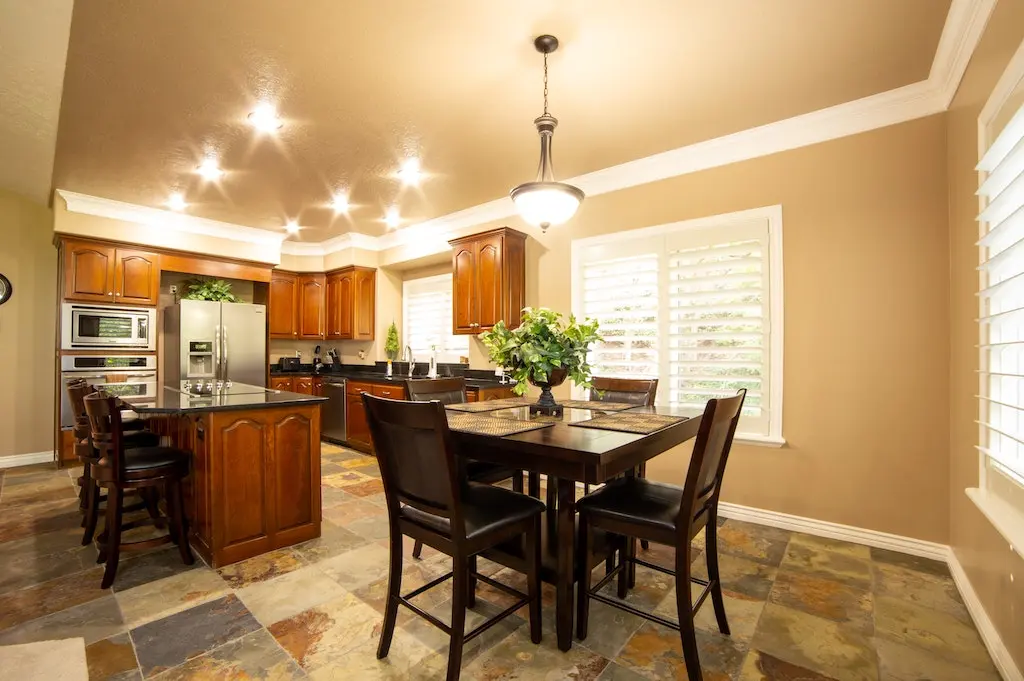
[[62, 660]]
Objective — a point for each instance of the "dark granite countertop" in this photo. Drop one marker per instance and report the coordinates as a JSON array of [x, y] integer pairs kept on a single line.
[[239, 396], [371, 374]]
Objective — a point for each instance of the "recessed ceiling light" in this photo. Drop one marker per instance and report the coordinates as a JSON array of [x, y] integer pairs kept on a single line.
[[176, 201], [265, 119], [340, 202], [410, 173], [292, 227], [391, 218], [209, 170]]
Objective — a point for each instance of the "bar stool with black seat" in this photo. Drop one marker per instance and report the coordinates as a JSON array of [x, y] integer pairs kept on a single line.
[[429, 500], [119, 469], [453, 391], [667, 514]]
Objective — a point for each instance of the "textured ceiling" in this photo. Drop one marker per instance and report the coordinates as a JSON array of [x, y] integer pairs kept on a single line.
[[153, 86], [33, 45]]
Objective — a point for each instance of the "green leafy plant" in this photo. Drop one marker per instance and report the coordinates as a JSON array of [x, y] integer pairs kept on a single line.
[[391, 347], [542, 344], [210, 289]]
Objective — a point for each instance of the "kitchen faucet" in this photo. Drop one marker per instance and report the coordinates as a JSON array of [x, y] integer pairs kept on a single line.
[[412, 360]]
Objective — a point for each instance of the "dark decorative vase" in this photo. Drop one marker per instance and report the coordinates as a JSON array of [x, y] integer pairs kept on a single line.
[[546, 404]]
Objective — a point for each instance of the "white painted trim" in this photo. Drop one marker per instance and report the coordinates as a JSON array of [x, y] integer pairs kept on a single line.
[[26, 459], [1006, 518], [965, 24], [823, 528], [989, 634]]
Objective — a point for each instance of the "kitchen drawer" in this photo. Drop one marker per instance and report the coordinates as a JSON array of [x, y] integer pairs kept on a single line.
[[354, 388], [394, 392]]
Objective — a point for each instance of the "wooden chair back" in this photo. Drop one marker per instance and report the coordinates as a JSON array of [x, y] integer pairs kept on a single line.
[[107, 433], [707, 463], [638, 391], [417, 458], [446, 390]]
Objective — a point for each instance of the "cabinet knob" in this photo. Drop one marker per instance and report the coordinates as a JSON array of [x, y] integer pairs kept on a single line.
[[111, 294]]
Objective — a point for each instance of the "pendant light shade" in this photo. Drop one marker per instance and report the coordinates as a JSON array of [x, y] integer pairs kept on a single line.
[[545, 202]]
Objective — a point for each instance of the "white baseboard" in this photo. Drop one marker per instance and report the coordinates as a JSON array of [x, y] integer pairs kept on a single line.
[[986, 629], [26, 459]]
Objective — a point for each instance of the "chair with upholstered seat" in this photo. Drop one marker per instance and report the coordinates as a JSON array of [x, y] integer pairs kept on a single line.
[[633, 507], [430, 500]]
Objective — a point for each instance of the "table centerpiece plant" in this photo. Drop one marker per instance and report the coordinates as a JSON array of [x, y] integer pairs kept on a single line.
[[543, 350]]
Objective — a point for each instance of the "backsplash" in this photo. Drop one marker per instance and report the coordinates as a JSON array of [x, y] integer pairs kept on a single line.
[[347, 350]]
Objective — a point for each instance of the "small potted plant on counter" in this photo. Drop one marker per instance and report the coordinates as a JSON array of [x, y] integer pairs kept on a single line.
[[391, 345], [544, 350]]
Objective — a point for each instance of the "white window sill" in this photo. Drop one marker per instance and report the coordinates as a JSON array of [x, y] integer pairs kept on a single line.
[[759, 440], [1007, 519]]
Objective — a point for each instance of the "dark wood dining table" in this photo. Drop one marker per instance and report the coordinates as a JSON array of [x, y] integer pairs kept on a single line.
[[569, 454]]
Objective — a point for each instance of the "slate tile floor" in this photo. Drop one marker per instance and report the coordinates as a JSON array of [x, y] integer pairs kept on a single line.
[[801, 608]]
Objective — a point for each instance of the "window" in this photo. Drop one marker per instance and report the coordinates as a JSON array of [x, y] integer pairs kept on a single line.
[[696, 304], [427, 319]]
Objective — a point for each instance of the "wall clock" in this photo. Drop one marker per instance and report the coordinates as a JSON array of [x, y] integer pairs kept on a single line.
[[5, 289]]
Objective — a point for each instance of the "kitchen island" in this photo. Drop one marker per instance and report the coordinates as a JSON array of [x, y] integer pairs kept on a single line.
[[255, 480]]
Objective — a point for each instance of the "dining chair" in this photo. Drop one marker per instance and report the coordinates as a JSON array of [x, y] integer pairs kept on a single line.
[[429, 500], [666, 514], [119, 469], [453, 391]]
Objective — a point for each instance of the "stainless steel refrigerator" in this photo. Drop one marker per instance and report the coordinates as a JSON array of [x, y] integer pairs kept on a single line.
[[205, 340]]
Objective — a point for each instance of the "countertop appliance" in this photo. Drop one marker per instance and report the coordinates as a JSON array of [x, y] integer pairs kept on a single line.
[[289, 363], [107, 327], [332, 415], [122, 375], [211, 341]]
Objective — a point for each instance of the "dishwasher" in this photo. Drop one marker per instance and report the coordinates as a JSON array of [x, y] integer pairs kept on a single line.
[[332, 423]]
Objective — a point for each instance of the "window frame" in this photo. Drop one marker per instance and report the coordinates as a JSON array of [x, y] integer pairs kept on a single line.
[[770, 214], [446, 280]]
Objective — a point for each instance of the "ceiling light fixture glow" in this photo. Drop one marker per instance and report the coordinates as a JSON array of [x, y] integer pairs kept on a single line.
[[292, 227], [265, 119], [340, 203], [410, 172], [176, 201], [544, 202], [209, 170], [392, 219]]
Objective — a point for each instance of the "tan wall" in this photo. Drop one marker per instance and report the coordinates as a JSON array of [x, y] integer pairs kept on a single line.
[[27, 326], [986, 557], [866, 321]]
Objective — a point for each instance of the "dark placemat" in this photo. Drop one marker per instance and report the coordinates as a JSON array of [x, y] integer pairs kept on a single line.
[[489, 425], [489, 405], [597, 405], [631, 422]]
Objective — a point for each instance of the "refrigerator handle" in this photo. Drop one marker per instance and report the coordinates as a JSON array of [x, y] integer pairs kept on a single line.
[[216, 352], [224, 336]]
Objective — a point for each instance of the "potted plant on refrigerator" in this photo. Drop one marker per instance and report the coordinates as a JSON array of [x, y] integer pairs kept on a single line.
[[543, 351], [391, 345]]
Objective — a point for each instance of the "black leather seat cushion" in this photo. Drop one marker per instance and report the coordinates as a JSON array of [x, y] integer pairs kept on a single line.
[[147, 458], [485, 509], [636, 500], [140, 438]]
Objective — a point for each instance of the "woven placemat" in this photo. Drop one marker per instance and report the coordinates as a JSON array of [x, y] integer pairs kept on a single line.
[[597, 405], [631, 422], [489, 425], [489, 405]]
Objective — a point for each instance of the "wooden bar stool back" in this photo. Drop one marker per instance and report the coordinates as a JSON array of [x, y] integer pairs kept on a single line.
[[120, 470]]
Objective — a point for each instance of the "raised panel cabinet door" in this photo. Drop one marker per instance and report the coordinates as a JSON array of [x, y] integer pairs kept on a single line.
[[346, 292], [295, 497], [463, 285], [312, 297], [242, 448], [358, 430], [281, 383], [392, 392], [304, 385], [88, 272], [489, 283], [333, 314], [283, 312], [136, 277], [364, 304]]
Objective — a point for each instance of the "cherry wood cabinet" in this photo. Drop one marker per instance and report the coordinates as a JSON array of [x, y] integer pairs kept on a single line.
[[312, 303], [356, 426], [284, 305], [282, 383], [303, 385], [392, 392], [488, 280], [351, 303], [101, 273], [485, 394]]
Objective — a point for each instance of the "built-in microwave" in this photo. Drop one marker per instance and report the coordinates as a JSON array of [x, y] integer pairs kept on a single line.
[[107, 327]]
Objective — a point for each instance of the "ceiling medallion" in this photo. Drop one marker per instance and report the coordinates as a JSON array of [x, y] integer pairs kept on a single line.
[[544, 202]]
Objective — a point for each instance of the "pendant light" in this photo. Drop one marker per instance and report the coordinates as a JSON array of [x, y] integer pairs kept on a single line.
[[544, 202]]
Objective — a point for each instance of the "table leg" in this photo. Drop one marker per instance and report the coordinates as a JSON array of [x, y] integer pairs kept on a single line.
[[566, 525]]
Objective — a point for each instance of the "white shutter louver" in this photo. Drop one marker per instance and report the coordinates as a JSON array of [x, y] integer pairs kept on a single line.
[[427, 319]]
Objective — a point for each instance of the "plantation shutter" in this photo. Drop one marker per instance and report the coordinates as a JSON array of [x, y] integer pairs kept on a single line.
[[427, 319], [1002, 299]]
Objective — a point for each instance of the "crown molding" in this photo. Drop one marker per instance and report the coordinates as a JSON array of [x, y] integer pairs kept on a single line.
[[965, 24]]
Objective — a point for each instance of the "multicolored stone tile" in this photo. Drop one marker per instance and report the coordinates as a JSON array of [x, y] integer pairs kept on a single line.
[[656, 652], [92, 621], [608, 629], [814, 643], [369, 488], [332, 496], [828, 565], [517, 657], [740, 576], [133, 571], [414, 576], [171, 641], [833, 545], [345, 479], [324, 635], [763, 667], [333, 540], [938, 633], [741, 612], [406, 659], [282, 597], [261, 568], [25, 520], [49, 597], [359, 462], [254, 656], [845, 604], [902, 663], [344, 514], [921, 588], [163, 597], [905, 560], [112, 659], [758, 543], [357, 567], [616, 672]]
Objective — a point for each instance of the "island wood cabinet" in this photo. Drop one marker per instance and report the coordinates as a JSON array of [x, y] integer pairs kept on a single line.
[[488, 280], [351, 303], [103, 273], [338, 305], [285, 383]]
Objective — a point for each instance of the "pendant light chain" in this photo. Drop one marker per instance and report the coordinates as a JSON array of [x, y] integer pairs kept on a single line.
[[545, 84]]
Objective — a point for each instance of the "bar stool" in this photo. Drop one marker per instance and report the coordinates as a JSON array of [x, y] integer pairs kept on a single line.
[[119, 469]]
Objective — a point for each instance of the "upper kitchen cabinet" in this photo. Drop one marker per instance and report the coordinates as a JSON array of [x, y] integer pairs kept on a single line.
[[351, 303], [312, 302], [101, 273], [339, 305], [364, 303], [488, 280], [284, 305]]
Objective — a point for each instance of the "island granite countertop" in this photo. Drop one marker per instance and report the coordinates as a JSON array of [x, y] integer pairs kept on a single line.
[[170, 400]]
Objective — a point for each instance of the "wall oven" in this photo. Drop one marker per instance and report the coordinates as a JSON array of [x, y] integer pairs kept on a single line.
[[131, 376], [107, 327]]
